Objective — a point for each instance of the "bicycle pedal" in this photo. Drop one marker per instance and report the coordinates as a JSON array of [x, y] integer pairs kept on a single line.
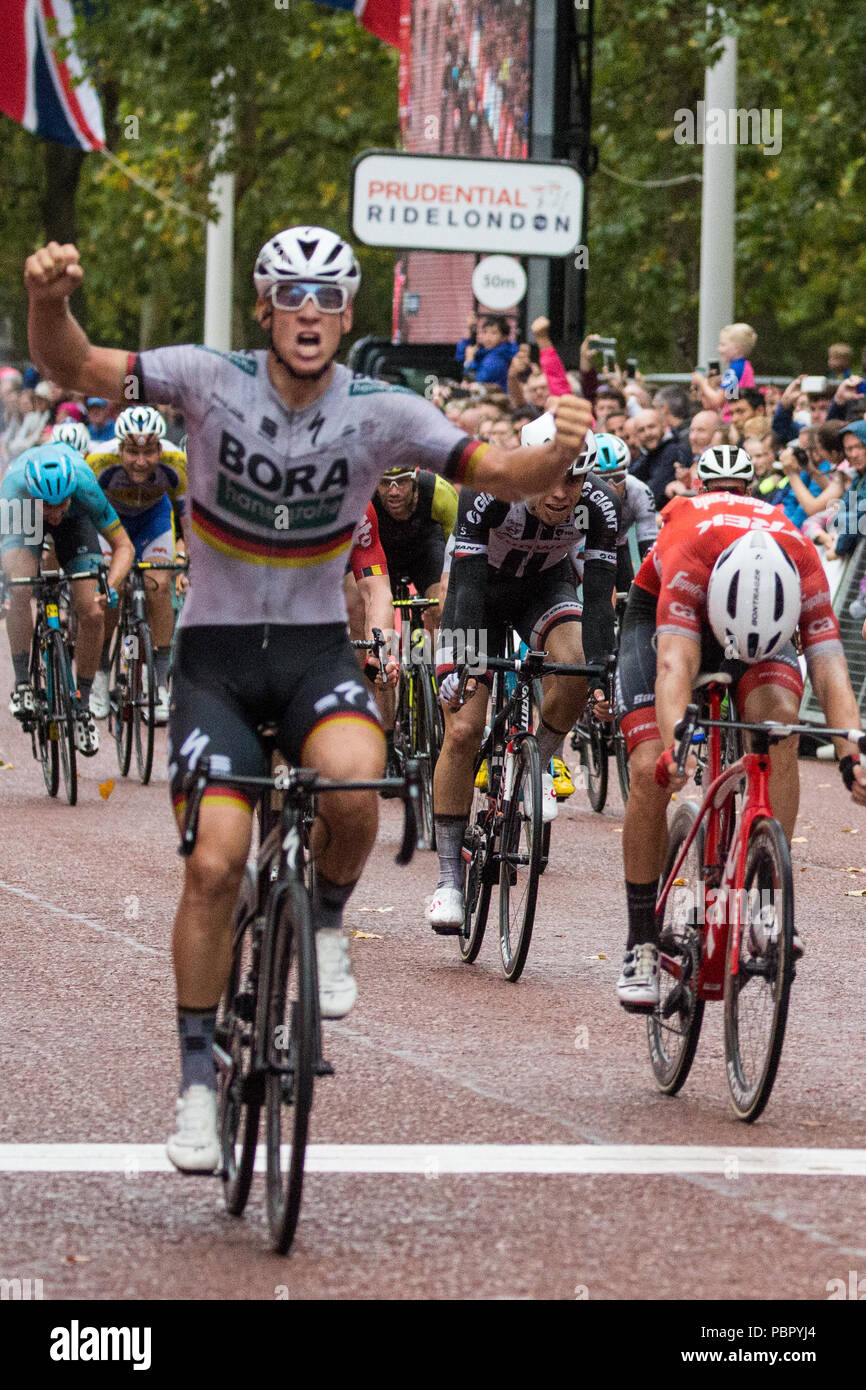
[[324, 1068]]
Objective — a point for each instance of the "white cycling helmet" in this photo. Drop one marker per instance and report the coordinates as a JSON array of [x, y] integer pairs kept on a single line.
[[138, 422], [753, 598], [725, 463], [543, 429], [72, 432], [306, 253]]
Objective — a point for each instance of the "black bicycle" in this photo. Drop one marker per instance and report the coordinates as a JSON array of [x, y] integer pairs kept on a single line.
[[596, 738], [506, 840], [268, 1040], [51, 725], [419, 726], [132, 683]]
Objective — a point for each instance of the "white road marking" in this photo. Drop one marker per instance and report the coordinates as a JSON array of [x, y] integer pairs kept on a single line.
[[440, 1159], [80, 919]]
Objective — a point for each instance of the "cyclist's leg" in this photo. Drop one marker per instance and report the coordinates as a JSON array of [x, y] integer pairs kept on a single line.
[[774, 690], [20, 561], [425, 571], [553, 620], [154, 540]]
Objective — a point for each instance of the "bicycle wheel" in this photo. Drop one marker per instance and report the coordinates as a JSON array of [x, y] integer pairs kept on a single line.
[[143, 673], [240, 1091], [426, 750], [674, 1026], [477, 848], [622, 769], [119, 710], [63, 715], [46, 747], [292, 1032], [593, 757], [756, 996], [520, 860]]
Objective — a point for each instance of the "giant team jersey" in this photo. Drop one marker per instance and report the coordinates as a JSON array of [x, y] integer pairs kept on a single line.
[[275, 494], [695, 531], [517, 544]]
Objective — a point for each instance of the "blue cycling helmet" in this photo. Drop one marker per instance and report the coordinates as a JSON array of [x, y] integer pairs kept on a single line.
[[613, 456], [49, 472]]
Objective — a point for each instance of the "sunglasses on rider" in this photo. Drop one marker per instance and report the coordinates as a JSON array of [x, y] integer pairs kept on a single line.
[[328, 299]]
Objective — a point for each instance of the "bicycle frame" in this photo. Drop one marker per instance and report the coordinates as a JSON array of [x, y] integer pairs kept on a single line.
[[722, 883]]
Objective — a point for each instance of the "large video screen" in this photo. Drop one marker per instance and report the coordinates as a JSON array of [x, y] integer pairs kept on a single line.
[[469, 94]]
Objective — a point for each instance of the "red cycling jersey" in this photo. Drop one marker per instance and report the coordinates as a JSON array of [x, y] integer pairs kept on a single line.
[[695, 531], [367, 556]]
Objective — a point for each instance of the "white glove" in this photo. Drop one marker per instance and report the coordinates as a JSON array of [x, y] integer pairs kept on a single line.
[[448, 687]]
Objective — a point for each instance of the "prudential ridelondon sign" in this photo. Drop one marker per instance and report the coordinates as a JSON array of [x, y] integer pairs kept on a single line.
[[444, 203]]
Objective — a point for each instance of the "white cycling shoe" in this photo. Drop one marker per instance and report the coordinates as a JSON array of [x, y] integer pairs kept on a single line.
[[338, 988], [638, 986], [549, 803], [161, 704], [86, 733], [446, 910], [99, 701], [194, 1147]]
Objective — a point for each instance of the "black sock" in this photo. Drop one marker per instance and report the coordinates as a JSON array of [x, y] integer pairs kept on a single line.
[[641, 899], [21, 667], [105, 656], [330, 902], [84, 684], [196, 1029], [449, 846]]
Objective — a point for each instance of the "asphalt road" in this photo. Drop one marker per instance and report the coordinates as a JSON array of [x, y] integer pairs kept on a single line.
[[435, 1053]]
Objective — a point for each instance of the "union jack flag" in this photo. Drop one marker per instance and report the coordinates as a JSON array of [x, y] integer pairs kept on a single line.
[[38, 89], [381, 17]]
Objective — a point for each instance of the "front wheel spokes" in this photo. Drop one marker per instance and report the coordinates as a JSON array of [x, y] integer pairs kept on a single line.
[[477, 854], [291, 1045], [674, 1026], [520, 853], [240, 1090], [120, 695], [63, 713], [144, 702], [46, 734], [758, 981]]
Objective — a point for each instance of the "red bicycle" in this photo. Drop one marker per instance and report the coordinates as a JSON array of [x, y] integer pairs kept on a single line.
[[726, 910]]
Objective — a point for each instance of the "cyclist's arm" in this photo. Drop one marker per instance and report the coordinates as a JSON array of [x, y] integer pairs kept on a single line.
[[831, 683], [678, 663], [59, 346], [444, 506], [599, 572], [375, 590], [122, 555]]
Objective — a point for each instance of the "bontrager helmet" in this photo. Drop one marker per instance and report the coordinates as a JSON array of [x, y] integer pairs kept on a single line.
[[753, 598], [613, 456], [49, 472], [725, 462], [73, 433], [542, 430], [306, 253], [139, 422]]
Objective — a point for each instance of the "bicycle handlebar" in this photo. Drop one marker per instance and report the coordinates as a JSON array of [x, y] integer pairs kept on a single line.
[[379, 649], [305, 781]]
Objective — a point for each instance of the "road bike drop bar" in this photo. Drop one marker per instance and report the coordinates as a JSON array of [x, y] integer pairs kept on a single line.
[[48, 577], [378, 649], [299, 785], [767, 732], [532, 667]]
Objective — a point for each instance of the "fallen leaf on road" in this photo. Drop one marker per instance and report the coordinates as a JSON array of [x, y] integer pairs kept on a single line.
[[852, 870], [599, 957], [367, 936], [6, 767], [375, 909], [679, 883], [855, 893], [106, 788], [617, 830], [78, 1259], [800, 840], [850, 830], [825, 784]]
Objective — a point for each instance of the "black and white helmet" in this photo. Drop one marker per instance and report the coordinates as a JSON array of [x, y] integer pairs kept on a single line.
[[306, 253], [543, 430], [753, 598], [725, 463]]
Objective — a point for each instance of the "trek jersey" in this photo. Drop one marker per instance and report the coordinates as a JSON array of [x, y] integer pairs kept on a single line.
[[275, 494], [87, 498], [367, 557], [131, 499], [694, 533]]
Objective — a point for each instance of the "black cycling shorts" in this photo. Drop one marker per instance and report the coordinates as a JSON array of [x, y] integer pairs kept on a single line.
[[229, 681], [636, 669], [533, 606], [76, 543], [421, 562]]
